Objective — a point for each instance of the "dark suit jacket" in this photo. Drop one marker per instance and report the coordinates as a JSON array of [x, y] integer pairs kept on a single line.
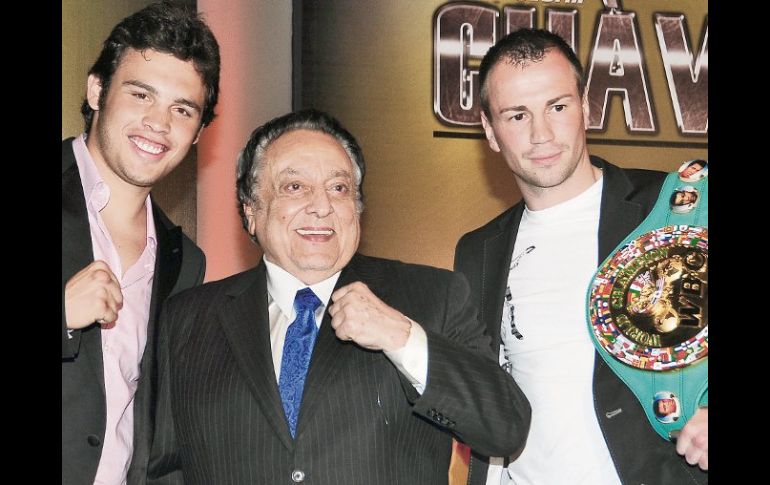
[[361, 422], [179, 264], [484, 255]]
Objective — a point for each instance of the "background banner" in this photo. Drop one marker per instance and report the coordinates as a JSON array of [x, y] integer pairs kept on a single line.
[[403, 77]]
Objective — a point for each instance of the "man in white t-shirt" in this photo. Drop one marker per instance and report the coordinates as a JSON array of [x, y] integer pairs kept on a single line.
[[529, 270]]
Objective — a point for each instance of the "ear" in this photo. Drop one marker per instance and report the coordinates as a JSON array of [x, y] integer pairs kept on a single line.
[[489, 132], [585, 108], [250, 217], [198, 136], [93, 91]]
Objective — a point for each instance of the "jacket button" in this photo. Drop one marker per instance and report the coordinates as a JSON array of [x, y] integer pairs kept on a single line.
[[298, 476], [94, 440]]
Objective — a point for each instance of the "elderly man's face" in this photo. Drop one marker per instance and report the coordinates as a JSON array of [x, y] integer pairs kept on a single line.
[[306, 220]]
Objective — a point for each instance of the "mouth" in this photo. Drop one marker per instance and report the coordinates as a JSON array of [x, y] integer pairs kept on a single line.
[[316, 234], [147, 146], [545, 159]]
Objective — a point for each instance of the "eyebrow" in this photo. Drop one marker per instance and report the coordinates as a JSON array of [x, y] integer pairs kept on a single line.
[[340, 173], [550, 102], [184, 101], [289, 171]]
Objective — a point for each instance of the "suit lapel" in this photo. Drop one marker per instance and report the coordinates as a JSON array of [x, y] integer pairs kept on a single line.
[[168, 262], [618, 216], [498, 252], [77, 251], [245, 322], [246, 325], [330, 355]]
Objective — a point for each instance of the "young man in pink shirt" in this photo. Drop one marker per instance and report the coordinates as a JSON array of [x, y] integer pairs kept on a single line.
[[149, 95]]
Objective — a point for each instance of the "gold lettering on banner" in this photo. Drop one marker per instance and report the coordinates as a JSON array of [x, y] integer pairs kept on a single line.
[[615, 65], [688, 78]]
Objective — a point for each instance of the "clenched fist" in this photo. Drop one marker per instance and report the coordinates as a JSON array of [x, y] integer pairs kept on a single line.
[[693, 441], [92, 295], [359, 316]]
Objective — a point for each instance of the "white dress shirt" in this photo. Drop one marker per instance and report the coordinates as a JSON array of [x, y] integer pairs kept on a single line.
[[411, 359]]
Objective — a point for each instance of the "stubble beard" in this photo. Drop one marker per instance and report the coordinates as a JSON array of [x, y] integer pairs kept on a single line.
[[116, 163]]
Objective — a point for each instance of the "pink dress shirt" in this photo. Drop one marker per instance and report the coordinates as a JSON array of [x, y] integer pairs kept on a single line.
[[123, 344]]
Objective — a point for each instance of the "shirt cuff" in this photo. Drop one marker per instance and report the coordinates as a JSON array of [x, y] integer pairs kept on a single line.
[[412, 359]]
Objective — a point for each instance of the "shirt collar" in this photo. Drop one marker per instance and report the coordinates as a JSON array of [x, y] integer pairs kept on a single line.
[[97, 192], [282, 287]]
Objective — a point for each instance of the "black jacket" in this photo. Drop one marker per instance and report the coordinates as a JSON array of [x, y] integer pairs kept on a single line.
[[484, 255], [179, 264], [220, 417]]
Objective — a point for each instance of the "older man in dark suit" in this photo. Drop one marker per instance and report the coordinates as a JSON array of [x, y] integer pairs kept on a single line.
[[322, 365]]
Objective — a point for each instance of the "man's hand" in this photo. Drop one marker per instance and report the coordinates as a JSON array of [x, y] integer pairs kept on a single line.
[[693, 441], [92, 295], [358, 315]]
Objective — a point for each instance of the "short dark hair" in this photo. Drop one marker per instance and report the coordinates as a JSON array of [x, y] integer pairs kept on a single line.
[[166, 27], [685, 193], [251, 159], [522, 46]]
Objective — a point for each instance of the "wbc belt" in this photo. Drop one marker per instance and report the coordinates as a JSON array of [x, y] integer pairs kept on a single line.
[[648, 303]]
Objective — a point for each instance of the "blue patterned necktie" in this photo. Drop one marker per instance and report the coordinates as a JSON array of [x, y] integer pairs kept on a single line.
[[297, 348]]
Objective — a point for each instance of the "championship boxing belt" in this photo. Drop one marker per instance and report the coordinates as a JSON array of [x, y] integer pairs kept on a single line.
[[648, 304]]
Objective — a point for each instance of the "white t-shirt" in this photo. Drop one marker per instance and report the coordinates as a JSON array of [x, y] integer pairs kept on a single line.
[[548, 348]]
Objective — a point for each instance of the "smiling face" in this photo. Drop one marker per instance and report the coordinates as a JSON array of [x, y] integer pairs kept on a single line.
[[305, 219], [538, 124], [149, 119]]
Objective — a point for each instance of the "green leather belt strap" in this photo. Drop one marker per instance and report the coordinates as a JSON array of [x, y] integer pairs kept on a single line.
[[648, 304]]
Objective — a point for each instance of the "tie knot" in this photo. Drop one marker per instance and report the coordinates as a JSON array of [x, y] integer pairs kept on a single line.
[[306, 300]]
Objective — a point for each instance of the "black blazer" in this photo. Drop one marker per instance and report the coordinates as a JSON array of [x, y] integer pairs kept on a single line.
[[484, 255], [361, 422], [179, 264]]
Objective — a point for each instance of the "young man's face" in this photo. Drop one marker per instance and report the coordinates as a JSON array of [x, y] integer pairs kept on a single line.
[[150, 118], [684, 197], [537, 121], [691, 170]]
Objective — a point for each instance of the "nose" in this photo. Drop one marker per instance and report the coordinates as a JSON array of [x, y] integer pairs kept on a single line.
[[541, 130], [320, 203], [156, 118]]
